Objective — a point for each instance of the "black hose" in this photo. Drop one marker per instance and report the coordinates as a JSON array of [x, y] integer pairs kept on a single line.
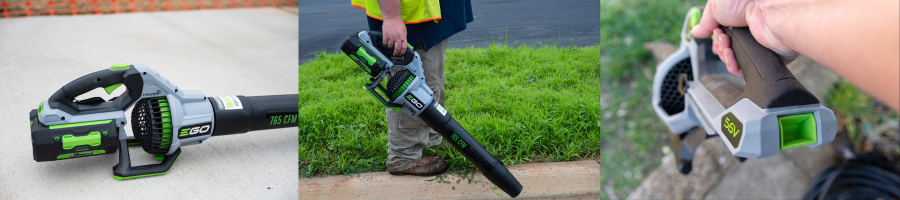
[[871, 177]]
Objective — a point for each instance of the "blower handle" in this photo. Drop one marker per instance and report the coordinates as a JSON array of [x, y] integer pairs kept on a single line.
[[378, 38], [769, 82], [109, 79]]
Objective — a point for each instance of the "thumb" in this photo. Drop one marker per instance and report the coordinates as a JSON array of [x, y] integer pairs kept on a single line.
[[707, 23]]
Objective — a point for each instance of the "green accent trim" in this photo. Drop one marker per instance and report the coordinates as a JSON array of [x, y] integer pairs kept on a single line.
[[69, 141], [159, 156], [32, 123], [69, 155], [410, 46], [119, 66], [362, 52], [396, 109], [110, 88], [119, 178], [695, 19], [356, 59], [797, 130], [184, 132], [40, 108], [167, 123], [133, 143], [80, 124], [404, 86]]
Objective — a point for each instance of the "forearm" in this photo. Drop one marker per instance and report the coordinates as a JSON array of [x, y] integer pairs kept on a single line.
[[858, 40], [390, 10]]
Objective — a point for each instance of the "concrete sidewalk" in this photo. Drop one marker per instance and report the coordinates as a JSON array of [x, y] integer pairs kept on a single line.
[[219, 52], [562, 180]]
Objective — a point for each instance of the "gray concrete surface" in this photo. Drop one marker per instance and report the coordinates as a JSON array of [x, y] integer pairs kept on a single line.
[[560, 180], [220, 52], [719, 175], [711, 161], [783, 176], [325, 24]]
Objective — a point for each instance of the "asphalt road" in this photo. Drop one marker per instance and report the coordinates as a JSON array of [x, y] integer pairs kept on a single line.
[[325, 24], [249, 52]]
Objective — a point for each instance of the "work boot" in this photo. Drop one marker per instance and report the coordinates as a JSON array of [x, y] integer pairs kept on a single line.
[[426, 166]]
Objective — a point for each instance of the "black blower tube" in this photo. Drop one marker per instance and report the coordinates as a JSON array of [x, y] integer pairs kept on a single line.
[[258, 113], [458, 137]]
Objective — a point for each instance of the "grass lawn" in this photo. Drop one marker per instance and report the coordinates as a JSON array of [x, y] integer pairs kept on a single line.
[[632, 135], [524, 104]]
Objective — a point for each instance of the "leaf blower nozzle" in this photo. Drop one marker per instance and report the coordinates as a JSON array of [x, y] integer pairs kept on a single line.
[[406, 90]]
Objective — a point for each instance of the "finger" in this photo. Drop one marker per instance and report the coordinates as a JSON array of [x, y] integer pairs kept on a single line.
[[715, 46], [723, 39], [731, 63], [402, 45], [707, 22], [397, 48], [387, 41]]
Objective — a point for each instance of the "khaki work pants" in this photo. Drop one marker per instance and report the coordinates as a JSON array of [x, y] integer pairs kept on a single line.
[[408, 135]]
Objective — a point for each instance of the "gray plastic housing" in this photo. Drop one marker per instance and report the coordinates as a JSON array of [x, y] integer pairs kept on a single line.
[[418, 88], [188, 107], [761, 138]]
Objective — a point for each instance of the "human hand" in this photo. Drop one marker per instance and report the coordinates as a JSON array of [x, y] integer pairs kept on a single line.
[[739, 13], [394, 36]]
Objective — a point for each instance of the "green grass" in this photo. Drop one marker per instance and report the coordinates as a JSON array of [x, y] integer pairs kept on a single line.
[[632, 135], [870, 126], [523, 104]]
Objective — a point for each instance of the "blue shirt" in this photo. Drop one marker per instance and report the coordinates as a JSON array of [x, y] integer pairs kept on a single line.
[[454, 16]]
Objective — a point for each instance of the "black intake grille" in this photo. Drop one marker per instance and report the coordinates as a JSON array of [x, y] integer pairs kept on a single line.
[[152, 125], [670, 99], [396, 83]]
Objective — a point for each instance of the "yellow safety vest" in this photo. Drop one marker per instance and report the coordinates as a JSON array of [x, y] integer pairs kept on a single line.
[[412, 11]]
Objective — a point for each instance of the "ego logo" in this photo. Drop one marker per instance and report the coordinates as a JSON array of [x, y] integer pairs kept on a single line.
[[194, 130], [731, 128], [414, 101]]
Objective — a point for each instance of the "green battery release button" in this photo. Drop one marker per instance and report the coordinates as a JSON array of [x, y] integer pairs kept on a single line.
[[70, 141], [362, 53], [797, 130]]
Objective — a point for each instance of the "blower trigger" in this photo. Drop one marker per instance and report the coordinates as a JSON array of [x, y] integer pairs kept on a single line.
[[92, 100]]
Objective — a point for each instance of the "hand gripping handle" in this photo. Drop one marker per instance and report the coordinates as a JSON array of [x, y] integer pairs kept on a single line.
[[387, 52], [106, 78], [769, 82]]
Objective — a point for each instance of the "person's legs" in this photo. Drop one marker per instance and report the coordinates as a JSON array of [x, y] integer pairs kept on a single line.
[[408, 135], [433, 65]]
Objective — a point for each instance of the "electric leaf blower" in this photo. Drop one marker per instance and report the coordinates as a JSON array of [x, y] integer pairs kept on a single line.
[[765, 112], [163, 119], [407, 91]]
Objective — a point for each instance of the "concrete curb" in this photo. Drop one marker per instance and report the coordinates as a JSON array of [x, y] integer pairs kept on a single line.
[[569, 180]]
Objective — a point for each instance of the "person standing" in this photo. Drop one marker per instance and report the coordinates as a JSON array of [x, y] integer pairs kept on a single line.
[[427, 26]]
